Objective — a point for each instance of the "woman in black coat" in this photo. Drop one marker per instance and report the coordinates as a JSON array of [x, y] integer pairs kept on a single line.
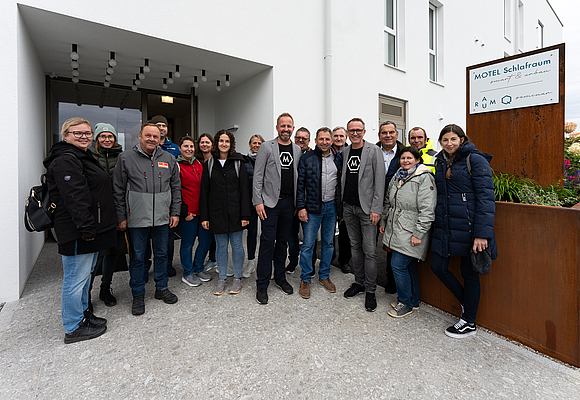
[[225, 206], [84, 221], [464, 220]]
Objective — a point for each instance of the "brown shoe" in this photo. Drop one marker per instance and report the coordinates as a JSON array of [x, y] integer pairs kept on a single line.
[[327, 284], [304, 290]]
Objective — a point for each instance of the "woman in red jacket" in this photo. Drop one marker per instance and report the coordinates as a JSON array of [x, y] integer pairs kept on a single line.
[[189, 221]]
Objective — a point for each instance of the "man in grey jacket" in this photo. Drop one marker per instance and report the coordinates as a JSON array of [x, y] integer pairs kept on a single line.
[[363, 189], [147, 195], [274, 195]]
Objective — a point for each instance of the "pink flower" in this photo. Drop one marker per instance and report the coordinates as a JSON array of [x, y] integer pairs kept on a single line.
[[566, 163]]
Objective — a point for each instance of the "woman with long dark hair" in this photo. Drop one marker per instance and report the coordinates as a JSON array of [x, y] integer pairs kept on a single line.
[[464, 220], [225, 205]]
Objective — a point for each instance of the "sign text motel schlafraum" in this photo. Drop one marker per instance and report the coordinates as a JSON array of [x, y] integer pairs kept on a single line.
[[523, 82]]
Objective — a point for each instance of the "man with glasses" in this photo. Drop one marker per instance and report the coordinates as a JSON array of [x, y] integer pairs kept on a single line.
[[302, 139], [363, 191], [147, 192], [391, 149]]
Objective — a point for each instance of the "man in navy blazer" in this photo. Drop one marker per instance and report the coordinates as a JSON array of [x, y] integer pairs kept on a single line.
[[363, 190], [274, 196]]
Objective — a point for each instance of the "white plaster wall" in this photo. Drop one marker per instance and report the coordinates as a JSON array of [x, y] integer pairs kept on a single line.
[[249, 106], [206, 114]]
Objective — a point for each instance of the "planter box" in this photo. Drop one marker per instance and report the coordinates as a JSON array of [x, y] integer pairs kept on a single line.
[[532, 294]]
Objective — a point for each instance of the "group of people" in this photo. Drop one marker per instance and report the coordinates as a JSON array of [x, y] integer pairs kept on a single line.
[[110, 202]]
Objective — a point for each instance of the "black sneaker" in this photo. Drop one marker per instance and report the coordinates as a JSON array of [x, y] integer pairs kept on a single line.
[[262, 296], [106, 295], [85, 331], [353, 290], [166, 296], [290, 268], [93, 319], [461, 329], [345, 268], [171, 272], [370, 302], [285, 287], [391, 287], [138, 307]]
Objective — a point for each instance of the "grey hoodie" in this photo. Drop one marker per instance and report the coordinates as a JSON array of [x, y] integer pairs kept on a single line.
[[147, 189]]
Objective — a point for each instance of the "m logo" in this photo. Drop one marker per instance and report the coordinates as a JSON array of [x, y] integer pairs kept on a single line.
[[286, 159], [353, 164]]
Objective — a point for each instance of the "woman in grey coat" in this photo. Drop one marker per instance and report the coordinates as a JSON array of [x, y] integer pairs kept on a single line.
[[408, 212]]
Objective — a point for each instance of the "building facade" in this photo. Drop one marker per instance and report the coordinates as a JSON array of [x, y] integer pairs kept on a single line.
[[323, 61]]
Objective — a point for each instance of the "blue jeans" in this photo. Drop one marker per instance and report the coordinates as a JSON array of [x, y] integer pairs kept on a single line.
[[406, 278], [221, 252], [75, 288], [363, 243], [468, 296], [189, 230], [327, 218], [138, 243], [273, 241]]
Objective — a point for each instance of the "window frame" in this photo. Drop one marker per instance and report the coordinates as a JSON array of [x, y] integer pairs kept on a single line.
[[433, 38], [392, 31]]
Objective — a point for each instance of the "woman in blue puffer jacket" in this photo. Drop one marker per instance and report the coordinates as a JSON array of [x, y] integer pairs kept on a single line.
[[464, 220]]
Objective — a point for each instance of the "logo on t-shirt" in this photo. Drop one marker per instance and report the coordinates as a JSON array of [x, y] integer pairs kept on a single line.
[[353, 163], [286, 159]]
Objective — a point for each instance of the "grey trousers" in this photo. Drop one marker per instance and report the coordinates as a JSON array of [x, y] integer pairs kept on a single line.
[[362, 234]]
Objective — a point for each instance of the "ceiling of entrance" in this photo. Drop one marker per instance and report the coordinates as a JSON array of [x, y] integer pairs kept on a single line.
[[53, 35]]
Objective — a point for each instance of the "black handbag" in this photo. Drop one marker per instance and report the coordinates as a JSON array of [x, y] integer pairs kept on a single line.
[[481, 261], [38, 209]]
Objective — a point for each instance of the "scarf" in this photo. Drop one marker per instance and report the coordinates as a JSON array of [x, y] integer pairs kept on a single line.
[[402, 174], [253, 156]]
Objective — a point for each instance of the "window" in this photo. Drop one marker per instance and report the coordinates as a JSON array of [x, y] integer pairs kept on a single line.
[[520, 28], [390, 32], [507, 19], [540, 29], [432, 43]]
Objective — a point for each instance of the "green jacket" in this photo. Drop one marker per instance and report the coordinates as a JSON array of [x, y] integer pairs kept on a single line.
[[106, 157]]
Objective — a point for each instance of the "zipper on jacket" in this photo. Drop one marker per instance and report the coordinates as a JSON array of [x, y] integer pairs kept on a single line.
[[153, 214], [393, 219], [98, 212], [464, 198]]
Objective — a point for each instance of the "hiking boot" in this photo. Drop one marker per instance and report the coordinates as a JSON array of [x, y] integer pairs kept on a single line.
[[285, 287], [290, 268], [328, 285], [106, 295], [220, 287], [370, 302], [236, 286], [353, 290], [85, 331], [461, 329], [262, 296], [400, 310], [166, 296], [304, 289], [191, 280], [138, 307], [204, 277], [93, 319]]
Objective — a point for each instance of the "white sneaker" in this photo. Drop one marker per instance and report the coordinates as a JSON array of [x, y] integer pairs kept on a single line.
[[248, 269]]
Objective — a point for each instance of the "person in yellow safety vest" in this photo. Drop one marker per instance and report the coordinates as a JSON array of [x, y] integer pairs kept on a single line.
[[418, 139]]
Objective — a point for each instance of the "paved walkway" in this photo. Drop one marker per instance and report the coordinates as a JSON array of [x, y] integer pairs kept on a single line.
[[229, 347]]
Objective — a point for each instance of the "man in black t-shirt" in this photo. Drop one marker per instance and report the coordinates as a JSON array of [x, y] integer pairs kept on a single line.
[[274, 196], [363, 185]]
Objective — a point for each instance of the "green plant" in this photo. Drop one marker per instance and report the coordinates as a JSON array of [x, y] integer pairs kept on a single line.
[[535, 194], [506, 187]]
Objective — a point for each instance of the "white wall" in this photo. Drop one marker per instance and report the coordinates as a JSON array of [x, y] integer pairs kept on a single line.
[[206, 114], [249, 106]]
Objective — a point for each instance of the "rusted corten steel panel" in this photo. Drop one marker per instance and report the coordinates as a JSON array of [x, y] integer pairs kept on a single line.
[[532, 294], [527, 142]]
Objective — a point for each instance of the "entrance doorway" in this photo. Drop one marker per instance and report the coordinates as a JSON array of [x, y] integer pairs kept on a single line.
[[391, 109]]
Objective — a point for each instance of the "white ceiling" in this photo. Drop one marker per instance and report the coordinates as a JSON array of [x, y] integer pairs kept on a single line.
[[53, 34]]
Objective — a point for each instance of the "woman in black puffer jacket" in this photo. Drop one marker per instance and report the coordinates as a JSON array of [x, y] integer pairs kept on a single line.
[[464, 220], [85, 222]]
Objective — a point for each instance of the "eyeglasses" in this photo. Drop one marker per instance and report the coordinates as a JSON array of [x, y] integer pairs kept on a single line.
[[356, 131], [106, 137], [79, 134]]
